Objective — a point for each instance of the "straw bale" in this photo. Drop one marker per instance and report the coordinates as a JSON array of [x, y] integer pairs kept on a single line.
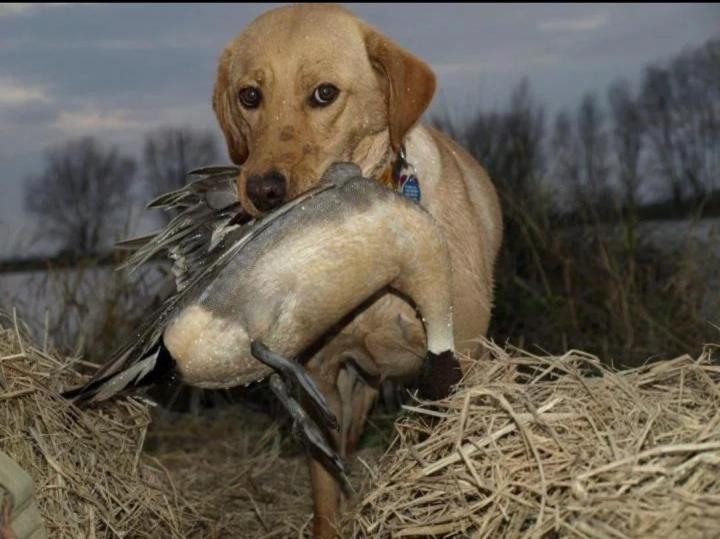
[[556, 446]]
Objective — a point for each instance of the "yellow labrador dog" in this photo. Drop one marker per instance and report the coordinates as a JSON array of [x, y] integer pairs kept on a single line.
[[304, 86]]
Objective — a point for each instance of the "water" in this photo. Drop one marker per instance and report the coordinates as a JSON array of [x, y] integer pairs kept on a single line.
[[705, 233], [698, 242]]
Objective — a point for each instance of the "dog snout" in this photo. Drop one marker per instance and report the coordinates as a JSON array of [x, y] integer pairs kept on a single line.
[[267, 191]]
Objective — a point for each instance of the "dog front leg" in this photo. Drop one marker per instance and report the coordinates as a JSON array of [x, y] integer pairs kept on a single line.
[[326, 490], [356, 399], [326, 500]]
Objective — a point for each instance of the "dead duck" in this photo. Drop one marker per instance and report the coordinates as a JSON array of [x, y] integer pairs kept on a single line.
[[252, 297]]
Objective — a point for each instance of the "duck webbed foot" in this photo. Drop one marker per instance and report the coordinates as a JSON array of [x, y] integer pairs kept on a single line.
[[311, 433], [294, 371]]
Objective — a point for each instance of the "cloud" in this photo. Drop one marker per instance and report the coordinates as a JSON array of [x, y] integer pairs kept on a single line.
[[197, 114], [11, 8], [93, 120], [458, 68], [496, 63], [26, 117], [575, 24], [8, 9], [97, 118], [149, 43], [120, 44], [14, 93]]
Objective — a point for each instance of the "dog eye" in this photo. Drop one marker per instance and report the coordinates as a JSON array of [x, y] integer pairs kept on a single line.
[[250, 97], [324, 95]]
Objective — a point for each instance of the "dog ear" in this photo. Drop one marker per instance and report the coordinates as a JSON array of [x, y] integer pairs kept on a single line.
[[410, 83], [225, 107]]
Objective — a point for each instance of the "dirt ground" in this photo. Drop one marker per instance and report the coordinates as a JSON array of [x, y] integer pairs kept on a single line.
[[244, 470]]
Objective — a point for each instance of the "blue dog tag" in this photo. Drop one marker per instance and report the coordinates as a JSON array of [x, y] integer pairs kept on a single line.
[[410, 187]]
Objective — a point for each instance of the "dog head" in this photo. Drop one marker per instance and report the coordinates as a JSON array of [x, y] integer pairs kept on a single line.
[[304, 86]]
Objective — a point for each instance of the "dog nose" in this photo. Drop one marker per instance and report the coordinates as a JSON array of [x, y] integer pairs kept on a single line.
[[267, 191]]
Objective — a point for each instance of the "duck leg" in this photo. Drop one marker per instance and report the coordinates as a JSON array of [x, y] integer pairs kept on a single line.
[[295, 371], [312, 433]]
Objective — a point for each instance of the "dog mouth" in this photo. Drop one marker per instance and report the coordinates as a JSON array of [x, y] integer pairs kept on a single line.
[[257, 199]]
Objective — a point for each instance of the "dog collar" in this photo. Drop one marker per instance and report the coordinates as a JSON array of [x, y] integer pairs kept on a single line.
[[404, 177]]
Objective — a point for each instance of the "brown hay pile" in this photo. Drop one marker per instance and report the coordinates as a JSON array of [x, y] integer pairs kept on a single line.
[[123, 469], [555, 446], [90, 477]]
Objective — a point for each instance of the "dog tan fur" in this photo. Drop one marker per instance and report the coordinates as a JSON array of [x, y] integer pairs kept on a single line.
[[288, 54]]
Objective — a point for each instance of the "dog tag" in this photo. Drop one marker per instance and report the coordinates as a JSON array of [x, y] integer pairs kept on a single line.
[[410, 187]]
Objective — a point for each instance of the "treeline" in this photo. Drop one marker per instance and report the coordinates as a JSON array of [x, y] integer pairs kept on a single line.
[[577, 268], [652, 145], [82, 201], [83, 196]]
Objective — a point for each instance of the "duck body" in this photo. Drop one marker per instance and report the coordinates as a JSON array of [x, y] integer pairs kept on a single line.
[[285, 281]]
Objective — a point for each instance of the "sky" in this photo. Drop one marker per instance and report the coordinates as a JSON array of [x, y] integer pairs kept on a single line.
[[118, 71]]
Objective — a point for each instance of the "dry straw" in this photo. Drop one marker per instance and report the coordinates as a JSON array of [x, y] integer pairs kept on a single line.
[[91, 479], [555, 447], [106, 471], [528, 447]]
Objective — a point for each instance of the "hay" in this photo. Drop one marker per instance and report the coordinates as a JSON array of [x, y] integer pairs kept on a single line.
[[555, 446], [124, 469], [529, 446], [90, 477]]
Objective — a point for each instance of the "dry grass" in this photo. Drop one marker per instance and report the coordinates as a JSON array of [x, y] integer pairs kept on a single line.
[[90, 476], [529, 446], [555, 446]]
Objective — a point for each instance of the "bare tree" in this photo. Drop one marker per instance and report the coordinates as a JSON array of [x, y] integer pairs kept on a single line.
[[708, 73], [657, 106], [482, 138], [694, 75], [510, 144], [593, 152], [171, 152], [523, 161], [681, 108], [566, 162], [627, 140], [81, 194]]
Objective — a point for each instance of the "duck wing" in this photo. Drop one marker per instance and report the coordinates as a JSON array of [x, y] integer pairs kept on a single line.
[[207, 209], [209, 231]]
